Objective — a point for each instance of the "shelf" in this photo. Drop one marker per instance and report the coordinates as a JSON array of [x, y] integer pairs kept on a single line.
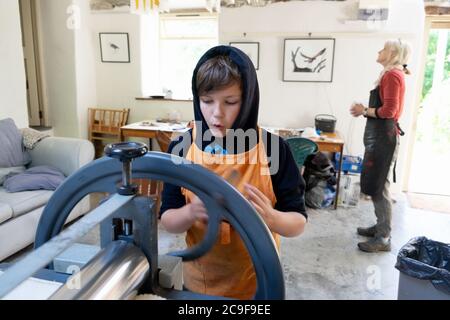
[[124, 9], [153, 99], [367, 25]]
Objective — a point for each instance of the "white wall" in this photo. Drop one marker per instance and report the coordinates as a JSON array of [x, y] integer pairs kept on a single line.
[[118, 84], [13, 94], [85, 67], [58, 44], [295, 104], [69, 64], [75, 77]]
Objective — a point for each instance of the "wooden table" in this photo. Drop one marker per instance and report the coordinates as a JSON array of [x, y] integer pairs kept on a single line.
[[332, 142], [161, 131]]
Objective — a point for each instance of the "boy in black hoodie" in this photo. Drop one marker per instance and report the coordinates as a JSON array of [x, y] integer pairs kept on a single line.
[[227, 141]]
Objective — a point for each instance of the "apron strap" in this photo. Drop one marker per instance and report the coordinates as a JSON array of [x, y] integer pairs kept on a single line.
[[401, 132], [394, 173]]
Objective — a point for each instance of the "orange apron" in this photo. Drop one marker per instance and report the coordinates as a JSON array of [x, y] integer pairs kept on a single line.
[[227, 270]]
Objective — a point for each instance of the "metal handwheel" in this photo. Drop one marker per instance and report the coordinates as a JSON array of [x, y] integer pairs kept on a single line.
[[221, 200]]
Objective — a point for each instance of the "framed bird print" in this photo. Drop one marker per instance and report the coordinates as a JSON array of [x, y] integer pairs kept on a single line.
[[251, 49], [308, 60], [115, 47]]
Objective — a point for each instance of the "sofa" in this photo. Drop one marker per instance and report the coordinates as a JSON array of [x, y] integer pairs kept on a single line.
[[20, 211]]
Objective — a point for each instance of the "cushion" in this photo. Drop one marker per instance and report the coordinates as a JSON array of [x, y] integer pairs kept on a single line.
[[24, 202], [13, 152], [5, 212], [35, 178], [31, 137], [4, 172]]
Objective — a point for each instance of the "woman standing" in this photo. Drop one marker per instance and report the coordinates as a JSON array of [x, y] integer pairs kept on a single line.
[[381, 140]]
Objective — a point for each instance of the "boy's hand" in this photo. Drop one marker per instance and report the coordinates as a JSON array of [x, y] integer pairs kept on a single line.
[[197, 210], [261, 203]]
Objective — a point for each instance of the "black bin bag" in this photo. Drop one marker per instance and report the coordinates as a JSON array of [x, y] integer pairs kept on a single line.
[[426, 259]]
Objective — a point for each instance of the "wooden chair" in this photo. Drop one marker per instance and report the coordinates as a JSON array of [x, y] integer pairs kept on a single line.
[[151, 189], [104, 126]]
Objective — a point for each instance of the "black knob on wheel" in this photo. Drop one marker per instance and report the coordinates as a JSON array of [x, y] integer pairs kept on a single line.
[[126, 152]]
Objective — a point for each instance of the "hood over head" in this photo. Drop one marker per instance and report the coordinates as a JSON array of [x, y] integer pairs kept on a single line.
[[248, 114]]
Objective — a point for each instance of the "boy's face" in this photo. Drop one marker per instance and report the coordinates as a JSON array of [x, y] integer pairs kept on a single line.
[[220, 108]]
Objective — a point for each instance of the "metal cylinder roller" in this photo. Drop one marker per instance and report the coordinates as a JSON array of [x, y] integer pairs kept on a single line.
[[115, 273]]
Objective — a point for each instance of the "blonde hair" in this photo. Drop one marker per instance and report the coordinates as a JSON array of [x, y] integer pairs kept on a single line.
[[400, 51]]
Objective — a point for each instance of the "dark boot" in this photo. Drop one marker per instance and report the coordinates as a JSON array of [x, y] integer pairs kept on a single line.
[[367, 232], [375, 244]]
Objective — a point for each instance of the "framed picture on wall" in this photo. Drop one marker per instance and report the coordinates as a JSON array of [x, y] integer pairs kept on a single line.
[[114, 47], [308, 60], [251, 49]]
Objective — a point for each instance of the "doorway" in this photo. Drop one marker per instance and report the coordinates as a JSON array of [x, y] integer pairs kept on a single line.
[[431, 156], [429, 174], [31, 61]]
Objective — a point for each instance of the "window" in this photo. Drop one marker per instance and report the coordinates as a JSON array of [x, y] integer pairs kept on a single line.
[[183, 40]]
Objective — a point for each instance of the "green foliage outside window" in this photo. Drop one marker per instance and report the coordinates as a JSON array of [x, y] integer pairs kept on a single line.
[[431, 61]]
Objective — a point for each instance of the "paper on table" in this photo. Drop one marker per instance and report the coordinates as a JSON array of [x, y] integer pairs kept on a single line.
[[163, 125], [177, 126]]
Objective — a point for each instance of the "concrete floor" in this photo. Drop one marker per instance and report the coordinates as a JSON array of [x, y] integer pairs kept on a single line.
[[324, 262]]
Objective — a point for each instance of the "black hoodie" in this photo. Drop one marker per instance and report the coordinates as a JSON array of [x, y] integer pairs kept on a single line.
[[248, 115], [287, 183]]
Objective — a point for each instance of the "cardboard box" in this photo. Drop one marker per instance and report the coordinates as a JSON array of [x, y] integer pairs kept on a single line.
[[349, 190]]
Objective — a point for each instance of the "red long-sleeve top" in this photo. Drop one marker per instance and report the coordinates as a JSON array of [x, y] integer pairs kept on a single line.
[[392, 93]]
